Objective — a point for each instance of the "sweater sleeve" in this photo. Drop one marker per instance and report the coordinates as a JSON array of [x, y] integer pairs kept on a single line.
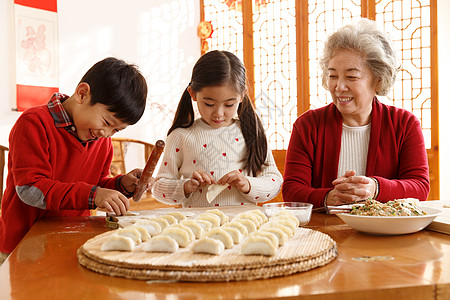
[[300, 160], [267, 183], [412, 180]]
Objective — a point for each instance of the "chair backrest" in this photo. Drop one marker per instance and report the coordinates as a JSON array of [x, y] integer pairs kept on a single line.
[[3, 150], [121, 147]]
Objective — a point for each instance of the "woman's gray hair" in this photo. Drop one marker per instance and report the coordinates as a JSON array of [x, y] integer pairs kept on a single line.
[[374, 45]]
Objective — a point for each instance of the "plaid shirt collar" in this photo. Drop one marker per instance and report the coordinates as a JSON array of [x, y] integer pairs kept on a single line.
[[60, 115]]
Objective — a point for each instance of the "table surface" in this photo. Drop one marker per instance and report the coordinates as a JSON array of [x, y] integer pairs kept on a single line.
[[413, 266]]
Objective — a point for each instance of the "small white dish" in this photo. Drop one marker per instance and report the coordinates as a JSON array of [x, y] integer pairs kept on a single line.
[[301, 210], [391, 225]]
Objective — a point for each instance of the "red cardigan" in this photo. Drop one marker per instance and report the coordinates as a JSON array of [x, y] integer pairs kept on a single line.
[[57, 165], [396, 158]]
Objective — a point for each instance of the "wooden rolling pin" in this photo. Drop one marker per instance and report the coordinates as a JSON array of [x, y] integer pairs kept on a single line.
[[148, 170]]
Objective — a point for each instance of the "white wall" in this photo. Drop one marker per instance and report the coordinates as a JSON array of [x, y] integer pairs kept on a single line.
[[160, 37]]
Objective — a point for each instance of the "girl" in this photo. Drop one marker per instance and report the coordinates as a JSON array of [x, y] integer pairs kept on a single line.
[[217, 148]]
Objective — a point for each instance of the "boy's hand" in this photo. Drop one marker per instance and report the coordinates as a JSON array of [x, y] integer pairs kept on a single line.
[[131, 180], [236, 179], [111, 201]]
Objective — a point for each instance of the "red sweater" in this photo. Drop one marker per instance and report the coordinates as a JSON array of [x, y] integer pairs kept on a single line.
[[60, 169], [396, 158]]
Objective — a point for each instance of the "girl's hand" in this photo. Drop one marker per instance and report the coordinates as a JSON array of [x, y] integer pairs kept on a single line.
[[236, 179], [198, 179], [131, 180], [111, 201], [350, 188]]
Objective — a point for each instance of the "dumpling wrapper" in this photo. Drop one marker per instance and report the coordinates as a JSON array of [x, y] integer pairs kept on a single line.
[[258, 245], [118, 243], [196, 228], [280, 234], [142, 231], [179, 235], [178, 215], [208, 245], [213, 191], [223, 217], [235, 234], [152, 226], [130, 232], [162, 243], [238, 225], [222, 235]]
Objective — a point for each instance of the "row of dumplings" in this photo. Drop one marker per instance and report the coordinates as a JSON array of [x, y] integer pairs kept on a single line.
[[212, 230]]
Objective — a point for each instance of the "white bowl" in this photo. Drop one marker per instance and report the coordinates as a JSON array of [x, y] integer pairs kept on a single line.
[[391, 225], [302, 211]]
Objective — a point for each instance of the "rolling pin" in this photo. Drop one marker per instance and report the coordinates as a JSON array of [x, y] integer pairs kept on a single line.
[[148, 170]]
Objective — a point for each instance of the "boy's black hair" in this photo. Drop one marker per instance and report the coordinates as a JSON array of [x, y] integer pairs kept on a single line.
[[118, 85]]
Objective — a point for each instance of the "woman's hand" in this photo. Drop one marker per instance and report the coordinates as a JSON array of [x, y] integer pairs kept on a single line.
[[350, 188], [236, 179], [198, 179], [111, 201]]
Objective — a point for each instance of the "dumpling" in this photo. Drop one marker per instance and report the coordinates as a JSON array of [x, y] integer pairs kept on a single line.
[[212, 218], [179, 235], [249, 216], [271, 236], [162, 243], [250, 225], [260, 213], [213, 191], [171, 219], [208, 245], [222, 235], [142, 231], [258, 245], [196, 228], [284, 228], [223, 217], [161, 221], [288, 215], [238, 225], [152, 226], [280, 234], [178, 215], [119, 243], [286, 222], [185, 228], [235, 234], [130, 232], [206, 225]]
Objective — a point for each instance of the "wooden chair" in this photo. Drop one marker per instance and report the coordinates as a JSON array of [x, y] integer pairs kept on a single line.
[[3, 150], [125, 154]]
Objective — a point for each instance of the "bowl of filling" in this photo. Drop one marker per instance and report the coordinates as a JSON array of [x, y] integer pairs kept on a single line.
[[401, 216], [302, 211]]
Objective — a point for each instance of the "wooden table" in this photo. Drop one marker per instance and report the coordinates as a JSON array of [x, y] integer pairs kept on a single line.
[[414, 266]]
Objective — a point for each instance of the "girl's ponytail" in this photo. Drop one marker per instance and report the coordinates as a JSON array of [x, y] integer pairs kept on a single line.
[[184, 117], [254, 135]]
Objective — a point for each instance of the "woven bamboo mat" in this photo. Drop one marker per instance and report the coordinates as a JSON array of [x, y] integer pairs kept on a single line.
[[306, 250]]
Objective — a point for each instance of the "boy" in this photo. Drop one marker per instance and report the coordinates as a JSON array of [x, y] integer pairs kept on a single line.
[[60, 153]]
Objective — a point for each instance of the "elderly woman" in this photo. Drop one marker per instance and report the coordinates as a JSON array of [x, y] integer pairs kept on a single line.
[[356, 147]]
